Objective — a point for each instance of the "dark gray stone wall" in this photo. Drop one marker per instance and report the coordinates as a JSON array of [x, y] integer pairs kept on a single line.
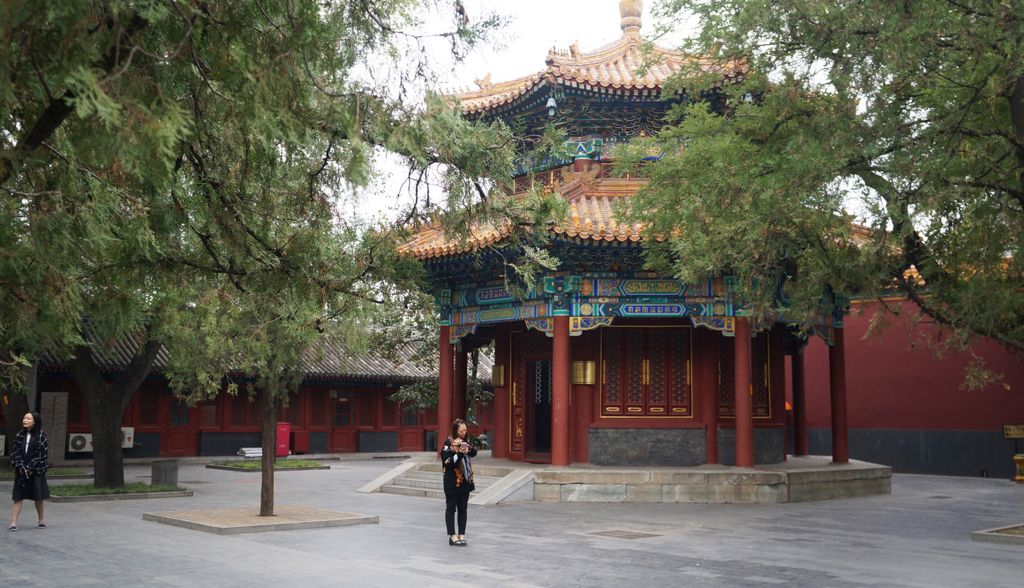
[[429, 440], [378, 441], [923, 451], [768, 446], [146, 445], [653, 447], [318, 442], [213, 443]]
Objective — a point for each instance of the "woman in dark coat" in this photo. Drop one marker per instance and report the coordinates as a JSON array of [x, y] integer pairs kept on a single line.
[[456, 459], [29, 459]]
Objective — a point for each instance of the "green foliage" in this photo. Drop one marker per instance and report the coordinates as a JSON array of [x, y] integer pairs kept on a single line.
[[180, 166], [422, 394], [65, 490], [177, 168], [908, 114]]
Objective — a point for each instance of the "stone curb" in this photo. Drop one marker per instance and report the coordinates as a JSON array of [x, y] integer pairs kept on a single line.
[[59, 477], [994, 535], [249, 470], [294, 526], [388, 476], [127, 496]]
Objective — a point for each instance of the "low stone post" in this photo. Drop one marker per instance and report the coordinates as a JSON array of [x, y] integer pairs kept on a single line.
[[165, 472]]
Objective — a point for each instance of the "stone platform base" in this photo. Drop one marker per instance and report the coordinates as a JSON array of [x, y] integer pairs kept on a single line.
[[796, 480], [232, 521]]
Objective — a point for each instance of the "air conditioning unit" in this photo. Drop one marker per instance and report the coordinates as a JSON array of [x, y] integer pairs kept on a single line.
[[82, 442], [79, 442]]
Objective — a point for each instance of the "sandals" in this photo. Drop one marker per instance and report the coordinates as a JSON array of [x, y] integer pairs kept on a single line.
[[12, 528], [42, 525]]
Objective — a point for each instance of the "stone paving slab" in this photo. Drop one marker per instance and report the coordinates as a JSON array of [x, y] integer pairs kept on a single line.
[[1013, 535], [233, 521], [916, 537]]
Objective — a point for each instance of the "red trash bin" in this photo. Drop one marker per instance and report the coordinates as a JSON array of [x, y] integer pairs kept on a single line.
[[284, 434]]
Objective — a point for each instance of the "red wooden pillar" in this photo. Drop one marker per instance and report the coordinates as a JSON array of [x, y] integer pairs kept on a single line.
[[444, 392], [560, 393], [459, 404], [837, 385], [799, 404], [499, 437], [744, 402], [706, 383]]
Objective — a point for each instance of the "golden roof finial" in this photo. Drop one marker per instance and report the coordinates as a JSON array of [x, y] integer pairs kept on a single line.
[[631, 10], [485, 82]]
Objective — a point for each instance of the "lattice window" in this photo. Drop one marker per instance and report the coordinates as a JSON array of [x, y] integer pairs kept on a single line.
[[149, 407], [656, 350], [645, 371], [612, 373], [634, 368], [681, 366], [208, 415]]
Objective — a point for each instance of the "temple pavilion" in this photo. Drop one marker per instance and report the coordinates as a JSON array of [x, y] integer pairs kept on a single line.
[[602, 362]]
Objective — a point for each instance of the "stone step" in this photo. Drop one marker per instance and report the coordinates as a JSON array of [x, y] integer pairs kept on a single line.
[[421, 475], [481, 470], [437, 482], [409, 491]]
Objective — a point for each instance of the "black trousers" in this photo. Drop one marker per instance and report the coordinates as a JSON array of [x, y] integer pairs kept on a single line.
[[458, 501]]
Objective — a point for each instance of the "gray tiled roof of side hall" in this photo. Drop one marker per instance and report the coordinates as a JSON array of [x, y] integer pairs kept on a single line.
[[331, 362]]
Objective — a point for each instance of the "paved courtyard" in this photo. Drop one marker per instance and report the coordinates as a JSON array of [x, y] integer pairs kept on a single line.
[[918, 536]]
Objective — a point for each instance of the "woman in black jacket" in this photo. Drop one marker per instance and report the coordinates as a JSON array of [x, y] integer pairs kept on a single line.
[[29, 459], [456, 459]]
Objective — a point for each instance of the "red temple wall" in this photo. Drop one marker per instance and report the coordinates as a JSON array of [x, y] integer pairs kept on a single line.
[[895, 381]]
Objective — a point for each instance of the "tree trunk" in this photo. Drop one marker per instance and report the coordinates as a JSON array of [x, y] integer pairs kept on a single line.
[[268, 418], [107, 402], [105, 414]]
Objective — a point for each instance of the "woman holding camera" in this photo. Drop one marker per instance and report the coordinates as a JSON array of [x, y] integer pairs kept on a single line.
[[29, 456], [456, 459]]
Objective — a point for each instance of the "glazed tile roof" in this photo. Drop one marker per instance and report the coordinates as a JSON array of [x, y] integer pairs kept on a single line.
[[592, 207], [430, 241], [591, 216], [612, 68], [331, 362]]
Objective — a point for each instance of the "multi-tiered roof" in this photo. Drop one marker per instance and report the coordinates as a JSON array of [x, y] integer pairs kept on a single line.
[[598, 99]]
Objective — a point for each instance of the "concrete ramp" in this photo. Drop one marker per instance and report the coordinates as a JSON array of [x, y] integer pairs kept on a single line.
[[423, 478]]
